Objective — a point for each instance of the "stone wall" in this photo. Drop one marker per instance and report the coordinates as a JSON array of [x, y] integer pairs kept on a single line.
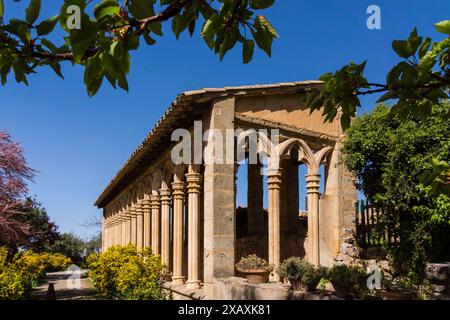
[[439, 276]]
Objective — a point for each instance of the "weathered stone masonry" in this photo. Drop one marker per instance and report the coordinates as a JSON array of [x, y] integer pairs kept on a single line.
[[187, 213]]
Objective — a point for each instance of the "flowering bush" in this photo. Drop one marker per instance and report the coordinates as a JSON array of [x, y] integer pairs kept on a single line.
[[19, 276], [126, 273]]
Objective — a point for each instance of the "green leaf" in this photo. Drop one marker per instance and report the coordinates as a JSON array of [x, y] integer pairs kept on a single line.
[[266, 24], [57, 68], [106, 9], [47, 26], [402, 48], [117, 49], [209, 29], [261, 4], [23, 32], [443, 26], [2, 9], [32, 12], [229, 41], [149, 40], [141, 9], [47, 43], [156, 28], [424, 47], [248, 49], [132, 42]]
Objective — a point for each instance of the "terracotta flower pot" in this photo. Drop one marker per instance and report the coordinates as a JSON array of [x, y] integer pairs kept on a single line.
[[257, 276], [298, 285], [396, 294], [342, 291]]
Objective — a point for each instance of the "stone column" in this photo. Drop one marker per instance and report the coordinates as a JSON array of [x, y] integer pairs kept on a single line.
[[124, 228], [255, 222], [139, 226], [155, 203], [274, 186], [312, 190], [106, 233], [133, 224], [219, 198], [165, 226], [193, 180], [128, 226], [178, 197], [118, 230], [146, 207]]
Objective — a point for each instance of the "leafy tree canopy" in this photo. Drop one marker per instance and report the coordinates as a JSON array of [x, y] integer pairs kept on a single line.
[[100, 37], [389, 154]]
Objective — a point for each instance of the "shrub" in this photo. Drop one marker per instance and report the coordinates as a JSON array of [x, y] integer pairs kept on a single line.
[[27, 268], [57, 262], [126, 273], [297, 269], [253, 262], [345, 275], [14, 284]]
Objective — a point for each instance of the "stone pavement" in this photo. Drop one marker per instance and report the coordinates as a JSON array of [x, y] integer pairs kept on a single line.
[[66, 290]]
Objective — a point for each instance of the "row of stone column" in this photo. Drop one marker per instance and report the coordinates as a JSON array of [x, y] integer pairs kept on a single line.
[[146, 223]]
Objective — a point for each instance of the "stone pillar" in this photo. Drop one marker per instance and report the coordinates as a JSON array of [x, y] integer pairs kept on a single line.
[[165, 226], [113, 230], [255, 214], [219, 198], [133, 224], [274, 186], [146, 207], [312, 190], [128, 226], [124, 228], [139, 225], [106, 233], [155, 203], [194, 187], [178, 197], [118, 230]]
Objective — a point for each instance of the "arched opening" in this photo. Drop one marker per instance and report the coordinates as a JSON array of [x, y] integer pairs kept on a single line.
[[292, 223], [251, 217]]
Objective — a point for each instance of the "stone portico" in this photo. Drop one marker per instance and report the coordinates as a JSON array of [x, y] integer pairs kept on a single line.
[[187, 212]]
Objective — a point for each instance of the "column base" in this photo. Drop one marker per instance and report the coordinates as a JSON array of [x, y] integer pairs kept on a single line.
[[178, 280], [193, 284]]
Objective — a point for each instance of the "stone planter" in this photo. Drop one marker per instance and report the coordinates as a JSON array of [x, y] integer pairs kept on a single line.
[[396, 294], [342, 291], [298, 285], [256, 276]]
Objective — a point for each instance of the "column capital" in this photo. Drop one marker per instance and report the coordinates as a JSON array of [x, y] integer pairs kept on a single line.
[[193, 182], [312, 183], [165, 196], [178, 189], [155, 201], [132, 210], [139, 209], [274, 180], [146, 204]]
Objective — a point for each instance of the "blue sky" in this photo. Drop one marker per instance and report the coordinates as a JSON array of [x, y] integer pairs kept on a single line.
[[77, 143]]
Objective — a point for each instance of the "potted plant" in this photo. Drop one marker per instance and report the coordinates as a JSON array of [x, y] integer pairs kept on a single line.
[[301, 274], [347, 280], [256, 269], [399, 288]]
